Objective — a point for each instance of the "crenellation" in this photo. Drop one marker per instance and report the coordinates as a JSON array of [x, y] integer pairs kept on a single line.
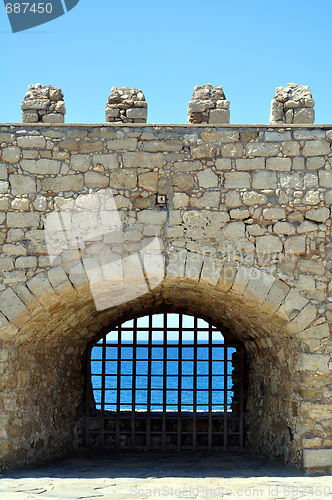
[[208, 105], [126, 105], [43, 103], [292, 104]]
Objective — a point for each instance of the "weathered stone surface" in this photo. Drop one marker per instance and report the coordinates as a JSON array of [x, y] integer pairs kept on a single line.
[[126, 105], [43, 104], [247, 243], [208, 105], [292, 104]]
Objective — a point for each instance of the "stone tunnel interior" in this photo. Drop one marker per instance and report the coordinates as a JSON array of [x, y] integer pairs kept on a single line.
[[49, 393]]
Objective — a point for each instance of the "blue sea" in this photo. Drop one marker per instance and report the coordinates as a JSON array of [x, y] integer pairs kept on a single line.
[[194, 382]]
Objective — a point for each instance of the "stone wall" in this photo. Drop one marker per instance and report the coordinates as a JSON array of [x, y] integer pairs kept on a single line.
[[246, 237]]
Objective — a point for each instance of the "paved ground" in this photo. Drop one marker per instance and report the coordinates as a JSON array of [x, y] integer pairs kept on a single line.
[[168, 476]]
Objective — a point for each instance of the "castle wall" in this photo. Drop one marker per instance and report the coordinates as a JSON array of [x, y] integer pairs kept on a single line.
[[246, 240]]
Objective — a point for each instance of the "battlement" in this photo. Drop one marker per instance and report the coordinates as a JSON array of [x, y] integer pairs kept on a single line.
[[290, 105]]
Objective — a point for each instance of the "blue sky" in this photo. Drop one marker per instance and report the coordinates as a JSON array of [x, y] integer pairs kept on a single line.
[[165, 49]]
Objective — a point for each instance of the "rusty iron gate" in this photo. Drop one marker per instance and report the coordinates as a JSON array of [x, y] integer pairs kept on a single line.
[[168, 382]]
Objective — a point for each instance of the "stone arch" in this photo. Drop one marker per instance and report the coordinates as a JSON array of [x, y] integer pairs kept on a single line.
[[47, 324]]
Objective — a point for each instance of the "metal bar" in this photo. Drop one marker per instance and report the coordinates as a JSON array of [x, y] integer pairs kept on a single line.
[[210, 424], [179, 443], [148, 415], [225, 394], [102, 402], [88, 397], [163, 424], [241, 436], [133, 392], [118, 392], [195, 387]]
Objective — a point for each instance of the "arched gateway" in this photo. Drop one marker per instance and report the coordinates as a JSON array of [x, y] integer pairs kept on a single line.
[[242, 219]]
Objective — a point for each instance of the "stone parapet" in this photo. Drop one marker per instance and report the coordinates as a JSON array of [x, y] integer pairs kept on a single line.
[[208, 105], [126, 105], [43, 103], [292, 104]]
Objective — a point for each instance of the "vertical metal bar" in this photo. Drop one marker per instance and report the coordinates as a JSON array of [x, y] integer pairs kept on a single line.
[[195, 387], [89, 392], [118, 391], [148, 416], [103, 387], [225, 394], [163, 424], [241, 437], [179, 443], [133, 390], [210, 390]]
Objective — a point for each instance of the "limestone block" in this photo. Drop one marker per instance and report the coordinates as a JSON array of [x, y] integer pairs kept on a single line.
[[237, 180], [202, 150], [109, 161], [193, 266], [274, 213], [211, 270], [31, 141], [295, 245], [148, 181], [316, 148], [315, 162], [317, 458], [43, 166], [318, 215], [279, 163], [220, 135], [24, 220], [262, 149], [95, 180], [293, 304], [305, 317], [175, 262], [250, 164], [208, 200], [207, 178], [3, 171], [145, 160], [304, 116], [10, 305], [180, 200], [126, 143], [284, 228], [259, 285], [233, 230], [11, 154], [183, 181], [123, 179], [238, 214], [88, 146], [268, 244], [137, 113], [80, 162], [219, 116], [29, 117], [241, 280], [252, 198], [63, 183], [264, 180], [325, 178], [231, 150], [26, 262], [278, 136], [154, 217], [277, 294]]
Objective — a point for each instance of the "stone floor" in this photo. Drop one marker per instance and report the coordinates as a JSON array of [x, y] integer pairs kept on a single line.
[[165, 475]]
